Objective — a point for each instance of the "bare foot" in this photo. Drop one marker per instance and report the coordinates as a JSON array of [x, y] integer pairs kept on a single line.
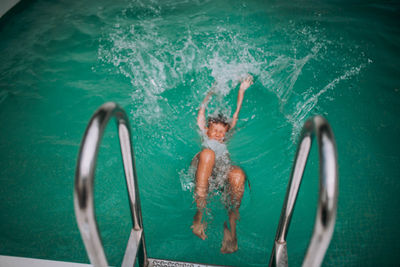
[[198, 229], [229, 244], [246, 83]]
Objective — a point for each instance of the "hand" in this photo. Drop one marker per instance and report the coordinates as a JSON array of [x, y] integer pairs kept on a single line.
[[212, 89], [246, 83], [207, 98]]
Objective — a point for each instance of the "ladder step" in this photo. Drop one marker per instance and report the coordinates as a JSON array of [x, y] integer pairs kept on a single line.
[[167, 263]]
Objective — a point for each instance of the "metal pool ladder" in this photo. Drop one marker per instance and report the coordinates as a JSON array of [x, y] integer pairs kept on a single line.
[[328, 194], [136, 247]]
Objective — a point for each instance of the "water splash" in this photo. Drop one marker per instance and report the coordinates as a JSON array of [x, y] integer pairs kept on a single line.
[[218, 182], [145, 49], [154, 63], [304, 108]]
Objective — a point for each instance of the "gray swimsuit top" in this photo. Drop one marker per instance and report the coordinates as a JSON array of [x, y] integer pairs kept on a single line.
[[222, 161]]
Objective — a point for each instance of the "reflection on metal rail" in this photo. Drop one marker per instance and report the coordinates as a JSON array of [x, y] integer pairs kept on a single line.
[[328, 194], [83, 191]]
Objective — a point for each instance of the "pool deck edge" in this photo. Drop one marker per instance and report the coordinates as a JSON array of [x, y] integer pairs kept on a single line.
[[10, 261]]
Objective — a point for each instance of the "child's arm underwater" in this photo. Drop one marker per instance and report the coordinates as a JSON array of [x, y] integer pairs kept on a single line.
[[243, 87], [201, 117]]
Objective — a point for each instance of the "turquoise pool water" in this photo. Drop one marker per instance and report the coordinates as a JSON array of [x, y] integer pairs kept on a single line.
[[60, 60]]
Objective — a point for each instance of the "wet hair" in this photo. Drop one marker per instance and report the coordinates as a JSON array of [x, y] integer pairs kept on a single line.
[[221, 119]]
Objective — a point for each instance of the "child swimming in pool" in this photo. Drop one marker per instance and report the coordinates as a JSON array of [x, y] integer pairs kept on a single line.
[[213, 163]]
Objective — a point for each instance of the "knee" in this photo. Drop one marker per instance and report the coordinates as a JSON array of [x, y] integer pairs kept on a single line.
[[237, 177], [207, 156]]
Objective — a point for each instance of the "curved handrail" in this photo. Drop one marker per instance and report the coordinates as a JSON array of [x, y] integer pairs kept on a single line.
[[84, 178], [328, 194]]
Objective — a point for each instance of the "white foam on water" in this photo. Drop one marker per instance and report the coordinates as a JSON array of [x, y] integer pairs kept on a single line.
[[155, 61], [148, 51], [222, 166]]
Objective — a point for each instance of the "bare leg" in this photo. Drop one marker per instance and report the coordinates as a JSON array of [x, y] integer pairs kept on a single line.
[[236, 181], [203, 173]]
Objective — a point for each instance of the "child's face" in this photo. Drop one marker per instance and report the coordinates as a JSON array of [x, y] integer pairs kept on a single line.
[[217, 131]]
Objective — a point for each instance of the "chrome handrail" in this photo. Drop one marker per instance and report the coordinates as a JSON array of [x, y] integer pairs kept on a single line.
[[84, 178], [328, 194]]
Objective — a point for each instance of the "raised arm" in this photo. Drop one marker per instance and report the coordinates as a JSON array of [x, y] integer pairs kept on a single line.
[[243, 87], [201, 117]]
